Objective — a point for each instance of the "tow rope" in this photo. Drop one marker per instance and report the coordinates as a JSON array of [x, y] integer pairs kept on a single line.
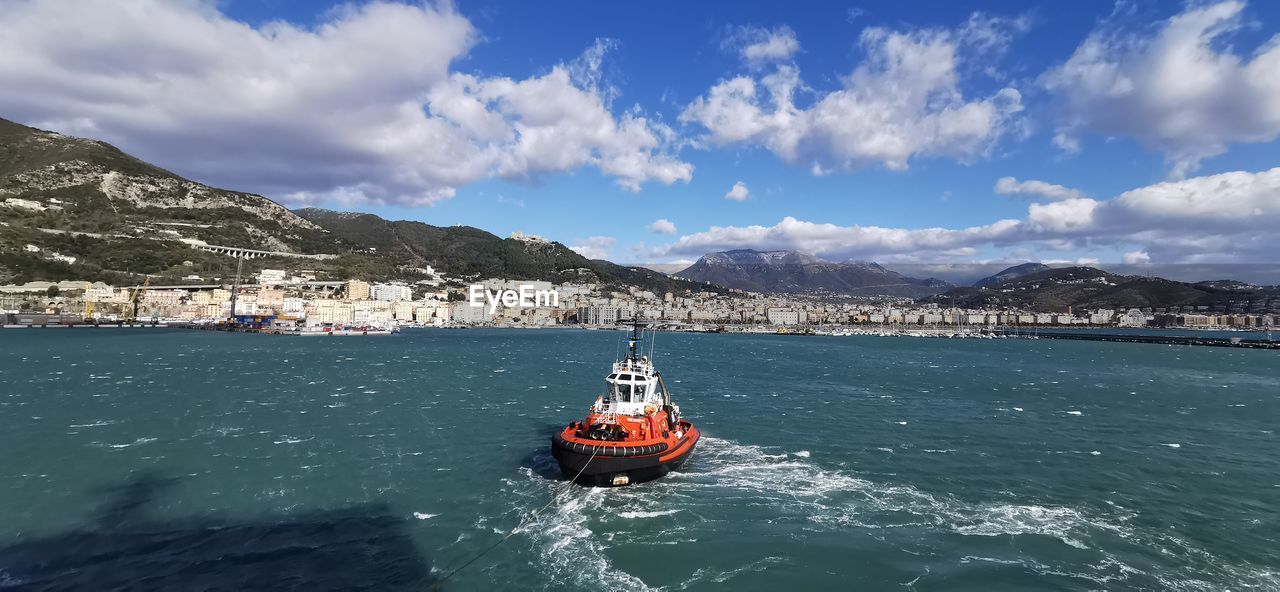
[[522, 524]]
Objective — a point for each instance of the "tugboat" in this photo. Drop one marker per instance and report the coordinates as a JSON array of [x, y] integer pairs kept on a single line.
[[632, 433]]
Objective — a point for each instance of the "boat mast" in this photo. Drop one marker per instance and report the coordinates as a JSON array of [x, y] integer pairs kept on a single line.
[[633, 340]]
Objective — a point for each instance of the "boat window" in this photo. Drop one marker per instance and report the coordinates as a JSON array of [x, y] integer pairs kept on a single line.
[[623, 393], [639, 396]]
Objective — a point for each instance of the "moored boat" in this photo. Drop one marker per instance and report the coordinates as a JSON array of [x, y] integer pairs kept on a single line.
[[632, 433]]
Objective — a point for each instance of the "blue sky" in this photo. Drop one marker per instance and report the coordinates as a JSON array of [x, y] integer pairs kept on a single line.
[[910, 112]]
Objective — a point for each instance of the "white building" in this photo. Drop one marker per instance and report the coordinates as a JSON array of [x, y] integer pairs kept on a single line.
[[463, 312], [1133, 318], [603, 315], [785, 316], [390, 292], [271, 277]]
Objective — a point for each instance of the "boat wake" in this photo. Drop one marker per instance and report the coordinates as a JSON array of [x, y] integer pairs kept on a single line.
[[575, 538]]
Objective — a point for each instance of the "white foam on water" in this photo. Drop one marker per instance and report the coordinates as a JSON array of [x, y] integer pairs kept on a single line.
[[95, 424], [802, 454], [837, 500], [1010, 519], [138, 442], [571, 552], [424, 515], [653, 514], [1073, 412], [1172, 445]]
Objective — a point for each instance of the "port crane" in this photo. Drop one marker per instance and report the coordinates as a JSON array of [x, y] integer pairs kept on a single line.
[[88, 304], [135, 295]]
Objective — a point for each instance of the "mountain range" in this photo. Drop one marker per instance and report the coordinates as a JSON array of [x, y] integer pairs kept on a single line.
[[76, 208], [1038, 287], [801, 273]]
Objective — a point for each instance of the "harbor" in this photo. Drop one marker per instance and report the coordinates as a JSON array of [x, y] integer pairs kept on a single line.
[[914, 455]]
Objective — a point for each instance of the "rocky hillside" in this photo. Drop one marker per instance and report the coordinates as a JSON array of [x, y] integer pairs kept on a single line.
[[472, 252], [1013, 272], [1089, 288], [55, 182], [74, 208], [801, 273]]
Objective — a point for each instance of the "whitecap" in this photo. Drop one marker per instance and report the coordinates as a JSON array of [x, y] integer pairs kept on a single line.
[[137, 442], [424, 516], [1172, 445], [652, 514], [802, 454]]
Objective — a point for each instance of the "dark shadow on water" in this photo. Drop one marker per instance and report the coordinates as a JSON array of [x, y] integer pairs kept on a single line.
[[362, 547], [543, 464]]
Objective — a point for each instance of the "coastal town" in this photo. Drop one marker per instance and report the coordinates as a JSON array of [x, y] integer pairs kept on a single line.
[[297, 300]]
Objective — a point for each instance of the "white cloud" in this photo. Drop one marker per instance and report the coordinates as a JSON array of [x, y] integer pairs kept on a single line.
[[758, 46], [363, 107], [595, 247], [1235, 198], [1033, 188], [1067, 143], [662, 226], [904, 101], [1183, 91], [1227, 218], [739, 192], [1137, 258], [841, 242], [1062, 216]]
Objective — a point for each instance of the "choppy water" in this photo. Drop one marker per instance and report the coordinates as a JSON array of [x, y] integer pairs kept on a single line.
[[184, 460]]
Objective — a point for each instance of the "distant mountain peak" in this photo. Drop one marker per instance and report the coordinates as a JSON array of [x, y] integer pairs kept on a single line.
[[787, 271], [1010, 273], [866, 264], [754, 257]]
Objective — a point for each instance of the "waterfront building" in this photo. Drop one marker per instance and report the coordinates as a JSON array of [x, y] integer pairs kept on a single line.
[[403, 311], [271, 277], [156, 298], [788, 316], [99, 293], [1133, 318], [357, 290], [335, 312], [1101, 316], [603, 315], [293, 305], [391, 292], [270, 298], [246, 306], [463, 312]]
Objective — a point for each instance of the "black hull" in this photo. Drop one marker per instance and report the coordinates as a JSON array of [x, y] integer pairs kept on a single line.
[[602, 471]]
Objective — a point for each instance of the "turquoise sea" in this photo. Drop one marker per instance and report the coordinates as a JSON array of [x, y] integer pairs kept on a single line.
[[175, 460]]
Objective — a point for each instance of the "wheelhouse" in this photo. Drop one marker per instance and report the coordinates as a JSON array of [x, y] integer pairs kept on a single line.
[[632, 388]]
